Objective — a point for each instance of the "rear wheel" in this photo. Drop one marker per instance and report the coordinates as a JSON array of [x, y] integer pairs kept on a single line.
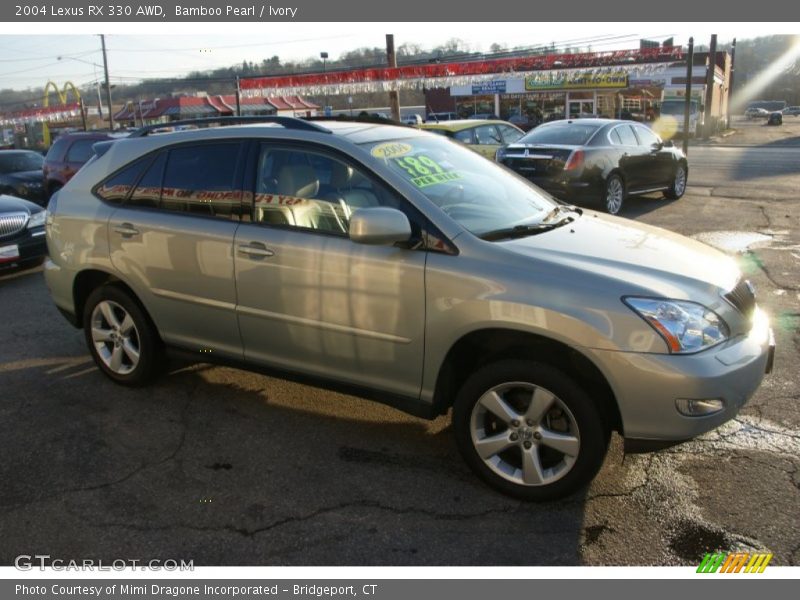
[[120, 336], [678, 186], [528, 430], [614, 194]]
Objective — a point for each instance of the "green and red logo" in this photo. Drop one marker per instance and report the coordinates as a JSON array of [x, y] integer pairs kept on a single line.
[[734, 562]]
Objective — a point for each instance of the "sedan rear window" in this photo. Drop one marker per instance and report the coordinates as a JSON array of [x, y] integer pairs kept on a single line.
[[568, 134]]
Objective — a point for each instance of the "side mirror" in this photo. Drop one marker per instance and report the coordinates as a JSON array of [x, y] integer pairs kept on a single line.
[[669, 144], [379, 226], [656, 146]]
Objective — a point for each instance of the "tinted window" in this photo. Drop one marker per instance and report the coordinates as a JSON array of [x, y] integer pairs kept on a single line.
[[14, 162], [647, 137], [56, 152], [80, 151], [487, 134], [510, 135], [626, 135], [116, 188], [312, 191], [571, 134], [148, 192], [464, 136], [201, 179]]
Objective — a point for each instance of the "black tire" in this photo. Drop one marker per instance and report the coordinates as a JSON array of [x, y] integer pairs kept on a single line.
[[590, 430], [676, 188], [614, 194], [148, 343]]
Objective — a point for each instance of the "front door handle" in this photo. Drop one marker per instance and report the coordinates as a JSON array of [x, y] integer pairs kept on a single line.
[[255, 249], [126, 229]]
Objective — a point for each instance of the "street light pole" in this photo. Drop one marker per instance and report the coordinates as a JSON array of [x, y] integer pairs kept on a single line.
[[108, 85]]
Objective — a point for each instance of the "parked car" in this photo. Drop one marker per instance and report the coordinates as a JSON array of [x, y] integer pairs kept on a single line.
[[68, 154], [414, 119], [598, 161], [792, 110], [22, 235], [437, 117], [401, 266], [775, 118], [483, 136], [21, 175], [484, 116], [756, 113]]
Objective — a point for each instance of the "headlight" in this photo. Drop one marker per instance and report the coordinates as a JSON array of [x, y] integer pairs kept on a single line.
[[685, 326], [37, 219]]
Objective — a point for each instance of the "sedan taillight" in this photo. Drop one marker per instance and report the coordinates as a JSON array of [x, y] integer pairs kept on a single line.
[[575, 161]]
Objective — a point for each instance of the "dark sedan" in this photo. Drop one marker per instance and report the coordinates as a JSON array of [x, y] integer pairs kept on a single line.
[[598, 160], [22, 239], [21, 175]]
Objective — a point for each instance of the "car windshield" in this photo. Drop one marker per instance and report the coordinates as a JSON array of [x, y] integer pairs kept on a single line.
[[476, 193], [14, 162], [562, 133], [676, 107]]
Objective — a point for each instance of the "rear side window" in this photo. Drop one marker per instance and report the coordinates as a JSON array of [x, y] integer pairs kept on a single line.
[[615, 139], [80, 151], [627, 136], [465, 136], [117, 187], [510, 135], [57, 150], [148, 192], [202, 179], [647, 137]]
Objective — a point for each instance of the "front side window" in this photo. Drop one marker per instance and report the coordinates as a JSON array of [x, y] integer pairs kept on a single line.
[[312, 191], [487, 135], [478, 194]]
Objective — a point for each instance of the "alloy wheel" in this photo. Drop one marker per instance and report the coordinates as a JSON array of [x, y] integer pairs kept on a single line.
[[525, 434], [614, 194], [680, 181], [115, 337]]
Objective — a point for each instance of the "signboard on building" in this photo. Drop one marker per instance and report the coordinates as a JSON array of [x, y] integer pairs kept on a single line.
[[582, 81], [489, 87]]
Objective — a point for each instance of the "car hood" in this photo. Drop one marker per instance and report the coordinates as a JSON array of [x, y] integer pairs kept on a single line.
[[14, 204], [643, 258]]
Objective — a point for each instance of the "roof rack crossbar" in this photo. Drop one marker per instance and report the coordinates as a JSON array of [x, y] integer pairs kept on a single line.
[[287, 122]]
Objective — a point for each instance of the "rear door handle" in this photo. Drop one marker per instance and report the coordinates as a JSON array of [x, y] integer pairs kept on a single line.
[[126, 229], [255, 249]]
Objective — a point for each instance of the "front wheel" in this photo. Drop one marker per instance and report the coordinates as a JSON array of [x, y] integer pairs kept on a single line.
[[121, 337], [678, 186], [528, 430], [614, 194]]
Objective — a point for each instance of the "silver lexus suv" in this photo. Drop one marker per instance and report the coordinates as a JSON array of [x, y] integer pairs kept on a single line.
[[402, 267]]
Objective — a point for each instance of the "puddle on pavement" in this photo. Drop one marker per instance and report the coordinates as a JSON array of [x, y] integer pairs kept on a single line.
[[733, 241]]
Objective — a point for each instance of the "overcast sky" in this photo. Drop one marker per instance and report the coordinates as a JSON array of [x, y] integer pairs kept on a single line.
[[31, 60]]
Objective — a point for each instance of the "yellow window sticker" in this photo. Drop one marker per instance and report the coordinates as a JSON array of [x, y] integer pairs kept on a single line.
[[390, 150], [424, 171]]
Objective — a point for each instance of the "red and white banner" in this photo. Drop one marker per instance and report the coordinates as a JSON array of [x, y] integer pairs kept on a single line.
[[376, 79]]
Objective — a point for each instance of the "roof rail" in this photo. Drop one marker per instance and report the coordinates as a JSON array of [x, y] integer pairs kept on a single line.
[[287, 122]]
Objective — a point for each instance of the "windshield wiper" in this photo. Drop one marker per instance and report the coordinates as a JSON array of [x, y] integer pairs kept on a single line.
[[519, 231]]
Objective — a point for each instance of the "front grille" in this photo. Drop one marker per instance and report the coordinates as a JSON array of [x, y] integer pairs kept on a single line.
[[743, 298], [11, 223]]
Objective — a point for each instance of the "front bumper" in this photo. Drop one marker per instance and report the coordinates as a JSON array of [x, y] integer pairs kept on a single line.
[[31, 246], [647, 386]]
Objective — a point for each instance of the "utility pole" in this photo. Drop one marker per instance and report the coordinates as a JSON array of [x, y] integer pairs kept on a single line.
[[687, 106], [394, 96], [238, 98], [710, 71], [83, 113], [108, 84], [733, 73]]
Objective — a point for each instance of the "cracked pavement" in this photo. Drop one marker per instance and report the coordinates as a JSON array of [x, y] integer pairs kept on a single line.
[[226, 467]]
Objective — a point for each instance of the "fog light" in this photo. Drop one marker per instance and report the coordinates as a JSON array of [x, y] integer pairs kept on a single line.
[[699, 408]]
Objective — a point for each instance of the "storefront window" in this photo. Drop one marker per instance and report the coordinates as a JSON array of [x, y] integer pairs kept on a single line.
[[468, 106]]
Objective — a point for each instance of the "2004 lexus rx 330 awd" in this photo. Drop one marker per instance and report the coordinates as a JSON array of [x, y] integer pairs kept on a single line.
[[407, 269]]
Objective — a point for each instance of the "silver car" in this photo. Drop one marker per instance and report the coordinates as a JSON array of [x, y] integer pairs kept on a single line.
[[399, 266]]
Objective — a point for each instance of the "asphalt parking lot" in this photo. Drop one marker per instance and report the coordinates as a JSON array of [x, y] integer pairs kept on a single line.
[[222, 466]]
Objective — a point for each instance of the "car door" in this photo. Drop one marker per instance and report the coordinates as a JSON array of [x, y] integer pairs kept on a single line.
[[172, 241], [634, 159], [660, 167], [309, 299]]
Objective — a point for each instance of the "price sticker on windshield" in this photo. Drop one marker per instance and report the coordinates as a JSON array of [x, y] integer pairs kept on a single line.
[[390, 150], [424, 171]]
